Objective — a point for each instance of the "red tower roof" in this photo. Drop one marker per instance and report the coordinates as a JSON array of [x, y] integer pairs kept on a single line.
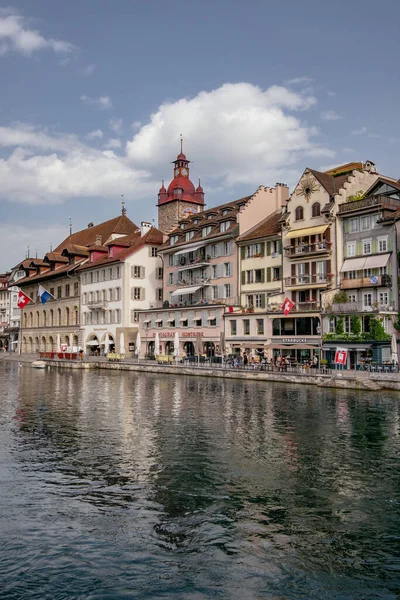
[[181, 188]]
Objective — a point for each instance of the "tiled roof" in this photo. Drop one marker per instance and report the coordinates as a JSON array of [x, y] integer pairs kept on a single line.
[[87, 237], [50, 274], [269, 226], [56, 257], [330, 183], [135, 240]]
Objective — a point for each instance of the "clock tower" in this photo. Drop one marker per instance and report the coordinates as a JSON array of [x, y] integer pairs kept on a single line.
[[181, 199]]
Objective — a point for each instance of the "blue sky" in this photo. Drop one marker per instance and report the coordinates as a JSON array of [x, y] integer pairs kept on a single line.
[[96, 93]]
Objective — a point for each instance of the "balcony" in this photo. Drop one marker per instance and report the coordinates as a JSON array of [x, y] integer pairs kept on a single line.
[[370, 202], [301, 250], [192, 281], [349, 308], [365, 282], [97, 304], [194, 264], [234, 302], [299, 307], [318, 280]]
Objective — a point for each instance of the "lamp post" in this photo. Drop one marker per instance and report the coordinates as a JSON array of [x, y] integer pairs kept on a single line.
[[319, 332]]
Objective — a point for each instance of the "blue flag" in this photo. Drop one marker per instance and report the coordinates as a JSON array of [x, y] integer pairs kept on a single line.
[[43, 294]]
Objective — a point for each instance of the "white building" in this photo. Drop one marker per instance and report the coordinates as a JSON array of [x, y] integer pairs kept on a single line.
[[119, 279]]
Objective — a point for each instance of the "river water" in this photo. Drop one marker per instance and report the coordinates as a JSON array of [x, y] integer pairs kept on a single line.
[[120, 485]]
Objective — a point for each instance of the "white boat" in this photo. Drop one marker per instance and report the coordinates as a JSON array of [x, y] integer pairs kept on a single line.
[[38, 364]]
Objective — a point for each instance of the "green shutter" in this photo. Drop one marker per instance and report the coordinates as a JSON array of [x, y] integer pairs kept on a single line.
[[262, 275], [359, 248], [347, 226], [243, 277], [262, 247], [268, 248], [243, 252], [279, 246], [262, 301], [268, 274]]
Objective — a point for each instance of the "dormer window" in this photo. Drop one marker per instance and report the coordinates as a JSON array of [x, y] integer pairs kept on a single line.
[[182, 225], [111, 253], [206, 230], [173, 239], [225, 225], [195, 221], [226, 211], [189, 235], [178, 192]]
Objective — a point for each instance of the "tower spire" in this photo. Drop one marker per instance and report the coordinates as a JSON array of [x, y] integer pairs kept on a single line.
[[123, 211], [181, 140]]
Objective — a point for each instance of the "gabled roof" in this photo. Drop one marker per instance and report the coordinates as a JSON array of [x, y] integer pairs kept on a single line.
[[331, 184], [269, 226], [133, 243], [87, 237], [383, 180]]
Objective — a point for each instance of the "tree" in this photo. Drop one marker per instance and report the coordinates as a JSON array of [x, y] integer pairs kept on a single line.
[[339, 329], [355, 323]]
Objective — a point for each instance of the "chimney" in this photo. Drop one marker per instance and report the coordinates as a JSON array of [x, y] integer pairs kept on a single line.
[[90, 224], [98, 240], [370, 166], [144, 227]]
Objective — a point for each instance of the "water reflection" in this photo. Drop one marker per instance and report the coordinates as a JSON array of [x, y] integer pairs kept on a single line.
[[133, 485]]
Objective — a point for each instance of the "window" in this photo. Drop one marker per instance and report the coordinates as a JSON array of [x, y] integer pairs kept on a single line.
[[332, 325], [97, 276], [367, 272], [259, 276], [215, 271], [173, 239], [385, 323], [276, 273], [215, 292], [227, 289], [117, 315], [227, 269], [383, 298], [51, 290], [59, 291], [153, 251], [184, 322], [351, 249], [159, 294], [103, 275], [382, 270], [352, 275], [299, 214], [352, 297], [224, 226], [367, 246], [249, 276], [159, 323], [316, 209], [110, 273], [182, 225], [134, 316], [117, 292], [76, 288], [233, 327], [246, 326], [364, 223], [367, 300], [260, 326], [259, 300], [382, 244], [111, 251], [206, 230], [347, 324], [354, 225], [227, 248], [189, 235], [214, 252], [67, 289], [90, 277], [136, 293], [197, 322], [250, 301], [374, 219], [136, 272], [212, 322]]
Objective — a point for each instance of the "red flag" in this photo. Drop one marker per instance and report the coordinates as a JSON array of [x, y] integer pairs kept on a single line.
[[287, 306], [22, 299]]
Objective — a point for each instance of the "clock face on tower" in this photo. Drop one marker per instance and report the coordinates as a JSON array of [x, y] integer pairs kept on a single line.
[[176, 172], [184, 172]]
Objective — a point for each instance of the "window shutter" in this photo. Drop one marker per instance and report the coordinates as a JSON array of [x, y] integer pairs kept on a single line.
[[243, 252], [328, 267], [269, 274], [268, 248], [307, 268], [243, 277], [132, 271], [262, 248], [230, 269], [142, 272], [262, 275], [359, 248], [262, 300], [142, 293], [221, 291], [293, 269], [279, 246], [314, 268], [347, 226]]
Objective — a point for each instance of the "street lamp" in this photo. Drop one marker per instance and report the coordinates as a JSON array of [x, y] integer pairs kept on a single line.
[[319, 331]]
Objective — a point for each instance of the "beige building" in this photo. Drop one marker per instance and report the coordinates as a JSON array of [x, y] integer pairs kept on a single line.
[[57, 323]]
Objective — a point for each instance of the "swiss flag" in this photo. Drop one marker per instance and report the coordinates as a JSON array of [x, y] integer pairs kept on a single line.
[[22, 299], [287, 306]]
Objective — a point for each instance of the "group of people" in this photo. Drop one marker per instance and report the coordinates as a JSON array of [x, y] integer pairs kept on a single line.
[[281, 363]]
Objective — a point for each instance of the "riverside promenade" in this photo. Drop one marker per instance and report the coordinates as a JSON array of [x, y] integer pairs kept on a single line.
[[357, 380]]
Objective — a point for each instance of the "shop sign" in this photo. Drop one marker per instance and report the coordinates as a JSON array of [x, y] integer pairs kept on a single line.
[[341, 356], [296, 341], [182, 334], [99, 328]]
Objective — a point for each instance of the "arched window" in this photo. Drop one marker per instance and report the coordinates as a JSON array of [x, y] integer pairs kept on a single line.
[[59, 316], [67, 315], [299, 214], [44, 319], [30, 319], [37, 319], [316, 209], [51, 318], [25, 320]]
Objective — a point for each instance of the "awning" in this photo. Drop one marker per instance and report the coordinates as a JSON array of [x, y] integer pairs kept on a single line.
[[191, 248], [292, 346], [186, 290], [183, 319], [147, 321], [354, 264], [373, 262], [93, 343], [354, 346], [158, 320], [307, 231], [170, 320], [211, 317]]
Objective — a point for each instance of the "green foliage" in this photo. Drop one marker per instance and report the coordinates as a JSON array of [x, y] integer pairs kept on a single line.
[[377, 330], [355, 324], [340, 297], [360, 195], [339, 329], [396, 324]]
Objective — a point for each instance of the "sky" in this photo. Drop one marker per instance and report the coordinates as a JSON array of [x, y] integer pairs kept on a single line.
[[95, 95]]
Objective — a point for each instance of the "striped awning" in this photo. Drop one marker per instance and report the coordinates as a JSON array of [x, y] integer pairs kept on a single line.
[[307, 231]]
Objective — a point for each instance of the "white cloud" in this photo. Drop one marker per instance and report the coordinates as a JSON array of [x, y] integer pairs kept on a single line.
[[116, 125], [17, 36], [97, 134], [15, 239], [298, 80], [237, 134], [330, 115], [359, 131], [136, 125], [102, 102], [88, 70], [113, 144]]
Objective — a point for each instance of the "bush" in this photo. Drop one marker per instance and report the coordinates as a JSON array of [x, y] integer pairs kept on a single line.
[[339, 329], [340, 297], [355, 323]]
